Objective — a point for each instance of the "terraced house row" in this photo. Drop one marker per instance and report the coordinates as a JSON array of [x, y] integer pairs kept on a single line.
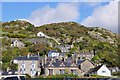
[[55, 63]]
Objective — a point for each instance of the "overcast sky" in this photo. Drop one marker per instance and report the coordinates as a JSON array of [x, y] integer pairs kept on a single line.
[[92, 14]]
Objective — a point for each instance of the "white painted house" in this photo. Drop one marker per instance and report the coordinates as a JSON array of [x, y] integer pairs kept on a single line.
[[53, 53], [103, 71], [41, 34], [0, 72]]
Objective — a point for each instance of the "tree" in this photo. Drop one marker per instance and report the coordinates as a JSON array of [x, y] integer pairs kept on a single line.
[[24, 51], [30, 28], [41, 48], [27, 43]]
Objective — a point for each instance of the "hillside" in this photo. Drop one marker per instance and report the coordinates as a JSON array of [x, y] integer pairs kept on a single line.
[[99, 41]]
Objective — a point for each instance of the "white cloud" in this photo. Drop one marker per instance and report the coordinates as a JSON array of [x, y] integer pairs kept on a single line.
[[62, 12], [104, 16]]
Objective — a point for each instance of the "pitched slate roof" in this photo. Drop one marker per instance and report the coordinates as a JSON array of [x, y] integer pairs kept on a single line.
[[68, 64], [52, 51], [27, 58], [80, 61], [36, 40], [58, 63], [95, 69]]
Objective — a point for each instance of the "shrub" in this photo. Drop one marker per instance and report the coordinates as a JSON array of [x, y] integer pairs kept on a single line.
[[28, 76], [63, 76], [116, 73]]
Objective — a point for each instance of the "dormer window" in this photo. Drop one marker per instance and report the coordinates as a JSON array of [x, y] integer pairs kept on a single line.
[[62, 64], [50, 64]]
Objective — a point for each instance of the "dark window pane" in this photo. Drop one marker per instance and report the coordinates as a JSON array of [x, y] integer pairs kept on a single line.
[[22, 77]]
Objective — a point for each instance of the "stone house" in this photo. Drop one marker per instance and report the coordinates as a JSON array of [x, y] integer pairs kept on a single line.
[[84, 56], [28, 65], [60, 67], [114, 69], [55, 66], [7, 26], [36, 40], [17, 43], [65, 48], [85, 65]]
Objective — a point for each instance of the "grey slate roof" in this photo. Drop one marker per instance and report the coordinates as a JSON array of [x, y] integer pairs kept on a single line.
[[57, 63], [26, 58], [36, 40], [97, 68], [93, 70], [79, 62], [52, 51]]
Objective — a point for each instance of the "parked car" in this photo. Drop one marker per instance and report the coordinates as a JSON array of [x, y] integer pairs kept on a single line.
[[13, 77]]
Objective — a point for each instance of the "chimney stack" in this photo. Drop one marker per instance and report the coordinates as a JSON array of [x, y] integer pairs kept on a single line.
[[38, 53], [28, 55]]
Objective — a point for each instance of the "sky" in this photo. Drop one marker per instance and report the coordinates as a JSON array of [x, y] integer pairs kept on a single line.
[[91, 14]]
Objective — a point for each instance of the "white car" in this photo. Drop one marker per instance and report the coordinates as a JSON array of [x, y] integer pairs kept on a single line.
[[13, 77]]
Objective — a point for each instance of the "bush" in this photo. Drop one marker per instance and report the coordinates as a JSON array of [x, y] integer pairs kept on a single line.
[[97, 76], [10, 35], [41, 76], [116, 73], [28, 76], [63, 76]]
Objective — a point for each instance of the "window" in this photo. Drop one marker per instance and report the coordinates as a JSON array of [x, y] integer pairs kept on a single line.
[[40, 34], [79, 67], [22, 77], [33, 72], [22, 69], [23, 66], [103, 71], [50, 71], [83, 57], [73, 71], [33, 66], [62, 71]]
